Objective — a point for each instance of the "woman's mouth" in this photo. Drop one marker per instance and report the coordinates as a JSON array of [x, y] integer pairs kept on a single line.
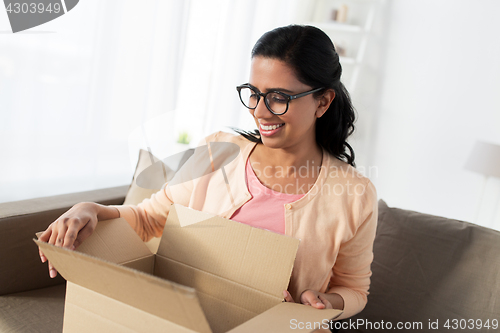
[[270, 130]]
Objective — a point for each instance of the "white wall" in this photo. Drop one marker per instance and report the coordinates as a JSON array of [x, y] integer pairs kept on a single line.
[[439, 94]]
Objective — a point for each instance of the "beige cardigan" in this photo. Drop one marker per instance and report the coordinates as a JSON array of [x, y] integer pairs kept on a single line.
[[335, 221]]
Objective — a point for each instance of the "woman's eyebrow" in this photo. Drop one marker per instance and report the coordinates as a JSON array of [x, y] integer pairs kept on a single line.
[[272, 89], [280, 89]]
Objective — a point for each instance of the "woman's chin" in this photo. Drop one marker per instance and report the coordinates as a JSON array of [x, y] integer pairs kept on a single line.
[[271, 143]]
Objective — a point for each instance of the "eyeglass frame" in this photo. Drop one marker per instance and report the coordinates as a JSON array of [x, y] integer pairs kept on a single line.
[[264, 95]]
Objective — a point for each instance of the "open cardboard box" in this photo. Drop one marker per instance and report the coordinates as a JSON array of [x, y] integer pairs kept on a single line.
[[209, 274]]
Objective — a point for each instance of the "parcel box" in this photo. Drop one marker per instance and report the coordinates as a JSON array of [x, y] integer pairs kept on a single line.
[[209, 274]]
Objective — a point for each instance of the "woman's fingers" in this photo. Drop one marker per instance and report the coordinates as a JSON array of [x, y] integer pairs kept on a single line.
[[53, 237], [84, 233], [43, 258], [61, 234], [311, 298], [317, 303], [57, 234], [44, 237], [70, 236], [288, 297], [52, 271], [65, 237]]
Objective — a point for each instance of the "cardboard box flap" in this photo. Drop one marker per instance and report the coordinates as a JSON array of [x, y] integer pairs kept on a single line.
[[86, 311], [156, 296], [289, 317], [235, 251], [114, 241], [239, 271]]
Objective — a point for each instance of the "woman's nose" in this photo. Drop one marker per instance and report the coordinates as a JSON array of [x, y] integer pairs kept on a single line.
[[261, 111]]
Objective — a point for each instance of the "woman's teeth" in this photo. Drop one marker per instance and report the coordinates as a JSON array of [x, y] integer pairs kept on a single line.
[[268, 128]]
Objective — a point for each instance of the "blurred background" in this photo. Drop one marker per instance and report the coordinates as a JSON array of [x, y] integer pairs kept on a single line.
[[81, 94]]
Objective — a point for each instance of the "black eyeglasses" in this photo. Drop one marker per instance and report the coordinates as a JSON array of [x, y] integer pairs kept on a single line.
[[276, 101]]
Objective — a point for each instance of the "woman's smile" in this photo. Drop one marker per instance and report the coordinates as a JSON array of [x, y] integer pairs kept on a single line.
[[269, 129]]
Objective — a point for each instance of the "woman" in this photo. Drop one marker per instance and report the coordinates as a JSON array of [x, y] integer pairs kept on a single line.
[[304, 117]]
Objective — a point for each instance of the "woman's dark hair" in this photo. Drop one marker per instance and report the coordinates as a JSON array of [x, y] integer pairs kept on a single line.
[[310, 52]]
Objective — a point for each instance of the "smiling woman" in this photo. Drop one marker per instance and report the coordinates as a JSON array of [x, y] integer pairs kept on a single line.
[[303, 125], [307, 112]]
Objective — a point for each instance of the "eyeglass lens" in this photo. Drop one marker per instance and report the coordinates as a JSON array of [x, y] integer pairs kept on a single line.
[[274, 101]]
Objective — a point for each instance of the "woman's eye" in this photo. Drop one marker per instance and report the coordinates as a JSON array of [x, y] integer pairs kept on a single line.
[[253, 96], [278, 99]]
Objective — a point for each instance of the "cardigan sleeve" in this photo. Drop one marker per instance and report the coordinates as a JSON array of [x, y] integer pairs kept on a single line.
[[148, 218], [352, 269]]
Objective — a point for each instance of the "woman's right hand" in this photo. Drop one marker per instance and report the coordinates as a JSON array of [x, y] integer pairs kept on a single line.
[[71, 229]]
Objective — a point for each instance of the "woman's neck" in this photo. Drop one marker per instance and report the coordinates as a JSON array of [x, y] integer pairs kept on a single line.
[[283, 158]]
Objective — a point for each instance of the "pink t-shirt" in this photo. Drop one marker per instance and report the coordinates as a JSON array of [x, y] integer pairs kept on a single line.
[[265, 209]]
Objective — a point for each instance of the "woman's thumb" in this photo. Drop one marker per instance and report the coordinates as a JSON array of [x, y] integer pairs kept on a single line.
[[317, 303]]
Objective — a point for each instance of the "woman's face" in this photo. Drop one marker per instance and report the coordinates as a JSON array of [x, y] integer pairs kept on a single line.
[[297, 124]]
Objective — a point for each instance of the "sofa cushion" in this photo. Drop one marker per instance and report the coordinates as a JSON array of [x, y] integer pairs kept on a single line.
[[136, 193], [150, 175], [432, 268], [37, 311], [20, 265]]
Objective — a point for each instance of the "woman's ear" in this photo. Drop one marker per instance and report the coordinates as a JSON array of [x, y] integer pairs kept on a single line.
[[324, 102]]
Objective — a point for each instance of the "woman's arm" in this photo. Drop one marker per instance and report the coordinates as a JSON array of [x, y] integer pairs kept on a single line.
[[106, 212], [352, 269], [350, 281], [335, 300], [148, 217]]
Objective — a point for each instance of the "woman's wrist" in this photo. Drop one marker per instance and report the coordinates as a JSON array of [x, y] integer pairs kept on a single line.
[[107, 212], [300, 297], [335, 300], [101, 211]]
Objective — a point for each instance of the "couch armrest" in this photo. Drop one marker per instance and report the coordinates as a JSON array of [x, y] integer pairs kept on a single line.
[[20, 264]]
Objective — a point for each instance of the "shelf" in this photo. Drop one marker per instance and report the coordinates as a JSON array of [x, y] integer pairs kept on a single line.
[[334, 26], [351, 37]]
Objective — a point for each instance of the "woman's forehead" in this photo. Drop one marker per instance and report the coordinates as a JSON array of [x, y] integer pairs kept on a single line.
[[269, 73]]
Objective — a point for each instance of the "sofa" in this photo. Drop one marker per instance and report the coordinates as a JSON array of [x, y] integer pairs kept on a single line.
[[431, 274], [426, 269]]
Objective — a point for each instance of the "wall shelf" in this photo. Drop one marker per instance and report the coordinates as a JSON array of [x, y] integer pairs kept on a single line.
[[350, 37], [334, 26]]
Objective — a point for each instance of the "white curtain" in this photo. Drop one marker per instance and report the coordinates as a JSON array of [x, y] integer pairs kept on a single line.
[[79, 95], [224, 32]]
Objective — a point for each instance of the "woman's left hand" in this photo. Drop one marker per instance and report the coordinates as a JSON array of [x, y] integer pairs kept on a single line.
[[310, 297]]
